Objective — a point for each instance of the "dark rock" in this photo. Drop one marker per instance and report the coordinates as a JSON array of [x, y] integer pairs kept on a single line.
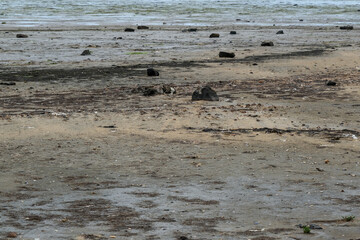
[[330, 83], [152, 72], [301, 20], [20, 35], [205, 93], [233, 32], [267, 44], [142, 27], [280, 32], [347, 27], [149, 91], [129, 30], [214, 35], [86, 52], [168, 89], [226, 55], [7, 83]]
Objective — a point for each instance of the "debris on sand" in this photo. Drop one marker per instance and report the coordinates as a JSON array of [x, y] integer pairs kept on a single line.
[[280, 32], [205, 93], [226, 55], [152, 72], [267, 44], [20, 35], [86, 52], [214, 35]]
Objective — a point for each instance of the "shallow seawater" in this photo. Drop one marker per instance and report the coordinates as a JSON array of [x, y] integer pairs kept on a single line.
[[179, 12]]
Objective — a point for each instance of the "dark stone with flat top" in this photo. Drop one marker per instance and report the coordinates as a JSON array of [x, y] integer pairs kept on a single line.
[[129, 30]]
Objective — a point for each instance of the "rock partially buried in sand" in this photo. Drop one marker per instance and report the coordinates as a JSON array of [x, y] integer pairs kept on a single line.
[[330, 83], [267, 44], [214, 35], [280, 32], [232, 32], [86, 52], [20, 35], [142, 27], [129, 30], [347, 27], [205, 93], [152, 72], [226, 55]]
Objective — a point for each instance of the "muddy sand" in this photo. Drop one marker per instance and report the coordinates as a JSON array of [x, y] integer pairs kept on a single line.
[[85, 155]]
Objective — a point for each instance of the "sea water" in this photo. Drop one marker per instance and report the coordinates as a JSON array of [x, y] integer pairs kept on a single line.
[[34, 13]]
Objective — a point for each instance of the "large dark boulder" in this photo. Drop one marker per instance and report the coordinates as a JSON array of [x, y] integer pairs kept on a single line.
[[205, 93]]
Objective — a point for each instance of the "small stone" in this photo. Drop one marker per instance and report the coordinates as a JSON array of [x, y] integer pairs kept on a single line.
[[129, 30], [214, 35], [280, 32], [142, 27], [12, 235], [190, 30], [20, 35], [233, 32], [347, 27], [326, 161], [226, 55], [330, 83], [183, 238], [267, 44], [86, 52], [301, 20], [205, 93], [152, 72]]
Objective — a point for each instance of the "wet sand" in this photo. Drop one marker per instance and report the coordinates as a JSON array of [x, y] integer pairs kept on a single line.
[[85, 155]]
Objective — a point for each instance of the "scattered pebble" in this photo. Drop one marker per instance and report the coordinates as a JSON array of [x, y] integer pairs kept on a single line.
[[233, 32], [142, 27], [330, 83], [20, 35], [280, 32], [267, 44], [129, 30], [214, 35], [86, 52], [226, 55]]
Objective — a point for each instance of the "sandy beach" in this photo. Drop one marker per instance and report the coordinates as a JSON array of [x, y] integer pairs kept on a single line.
[[84, 154]]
